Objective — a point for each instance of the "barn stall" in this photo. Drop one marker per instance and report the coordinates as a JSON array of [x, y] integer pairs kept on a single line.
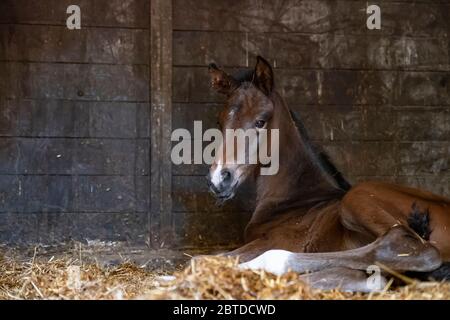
[[86, 115]]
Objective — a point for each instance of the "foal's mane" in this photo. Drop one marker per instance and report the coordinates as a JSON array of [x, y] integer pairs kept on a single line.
[[244, 76], [322, 158]]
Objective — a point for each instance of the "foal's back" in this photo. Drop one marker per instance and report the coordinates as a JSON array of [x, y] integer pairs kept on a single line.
[[374, 207]]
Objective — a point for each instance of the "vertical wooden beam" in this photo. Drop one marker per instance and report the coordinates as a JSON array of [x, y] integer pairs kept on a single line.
[[161, 121]]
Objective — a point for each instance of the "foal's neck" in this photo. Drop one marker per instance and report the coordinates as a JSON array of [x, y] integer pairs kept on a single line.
[[300, 181]]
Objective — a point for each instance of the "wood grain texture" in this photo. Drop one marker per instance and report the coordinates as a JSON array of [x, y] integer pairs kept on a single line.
[[88, 45], [51, 228], [86, 115], [324, 51], [74, 156], [107, 13], [74, 119], [74, 81], [161, 120], [376, 100], [330, 87], [71, 193], [412, 18]]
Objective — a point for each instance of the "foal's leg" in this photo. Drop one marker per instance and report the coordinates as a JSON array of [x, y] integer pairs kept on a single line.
[[398, 249], [249, 251], [344, 279]]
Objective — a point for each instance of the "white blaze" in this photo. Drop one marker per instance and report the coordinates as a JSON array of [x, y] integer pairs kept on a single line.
[[216, 176]]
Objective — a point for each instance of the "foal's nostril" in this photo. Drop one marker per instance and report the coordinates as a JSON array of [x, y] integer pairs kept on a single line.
[[226, 175]]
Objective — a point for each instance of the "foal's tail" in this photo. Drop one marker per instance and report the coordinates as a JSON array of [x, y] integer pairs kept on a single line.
[[419, 221]]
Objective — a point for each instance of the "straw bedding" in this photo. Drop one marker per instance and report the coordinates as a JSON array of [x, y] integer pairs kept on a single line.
[[206, 278]]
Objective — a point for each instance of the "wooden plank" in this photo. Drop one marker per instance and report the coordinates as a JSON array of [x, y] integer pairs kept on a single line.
[[111, 194], [413, 18], [74, 81], [187, 113], [374, 158], [107, 13], [370, 158], [323, 122], [73, 156], [51, 193], [438, 184], [191, 194], [422, 124], [299, 87], [419, 158], [385, 53], [347, 123], [8, 118], [11, 191], [161, 119], [190, 170], [18, 229], [197, 48], [184, 82], [285, 50], [99, 156], [365, 158], [25, 194], [296, 86], [422, 89], [57, 44], [206, 230], [84, 119], [55, 193], [57, 228], [344, 87]]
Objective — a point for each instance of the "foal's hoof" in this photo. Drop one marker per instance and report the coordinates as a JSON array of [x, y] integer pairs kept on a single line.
[[402, 250]]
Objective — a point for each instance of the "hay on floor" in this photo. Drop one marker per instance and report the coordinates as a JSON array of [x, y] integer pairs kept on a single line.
[[219, 278], [206, 278]]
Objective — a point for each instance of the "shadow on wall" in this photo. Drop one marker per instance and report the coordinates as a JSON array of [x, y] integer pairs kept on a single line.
[[201, 222]]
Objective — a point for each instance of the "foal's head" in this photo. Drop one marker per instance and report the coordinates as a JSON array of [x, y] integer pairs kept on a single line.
[[251, 104]]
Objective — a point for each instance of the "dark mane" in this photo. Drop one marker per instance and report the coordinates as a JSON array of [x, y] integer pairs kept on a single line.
[[322, 157], [243, 75]]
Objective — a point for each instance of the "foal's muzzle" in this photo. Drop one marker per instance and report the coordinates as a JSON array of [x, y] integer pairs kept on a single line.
[[221, 185]]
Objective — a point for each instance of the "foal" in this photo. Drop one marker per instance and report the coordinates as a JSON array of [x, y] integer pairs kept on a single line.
[[307, 216]]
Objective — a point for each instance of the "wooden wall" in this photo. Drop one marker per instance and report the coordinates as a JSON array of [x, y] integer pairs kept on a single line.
[[377, 100], [75, 121]]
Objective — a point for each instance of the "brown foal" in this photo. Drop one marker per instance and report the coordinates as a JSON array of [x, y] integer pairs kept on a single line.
[[307, 216]]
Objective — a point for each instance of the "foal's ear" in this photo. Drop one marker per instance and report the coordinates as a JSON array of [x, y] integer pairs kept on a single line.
[[263, 76], [220, 80]]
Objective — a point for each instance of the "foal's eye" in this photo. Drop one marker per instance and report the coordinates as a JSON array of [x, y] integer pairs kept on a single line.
[[260, 123]]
